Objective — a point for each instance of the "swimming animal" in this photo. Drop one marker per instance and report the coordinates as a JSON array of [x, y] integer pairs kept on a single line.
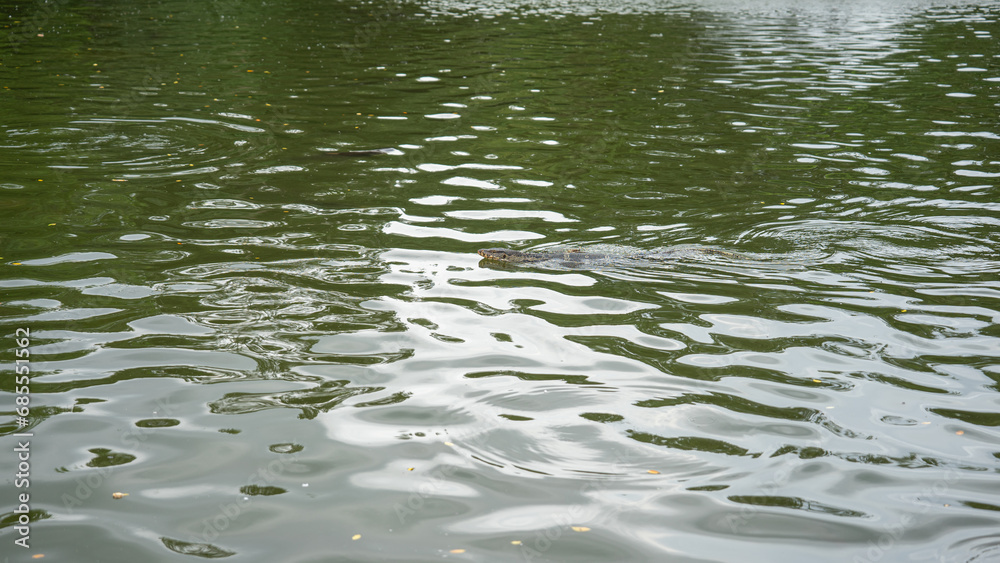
[[578, 258], [376, 152]]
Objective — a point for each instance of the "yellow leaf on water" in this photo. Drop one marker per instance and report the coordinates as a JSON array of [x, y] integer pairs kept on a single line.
[[653, 471], [516, 542], [356, 537], [580, 529], [457, 551]]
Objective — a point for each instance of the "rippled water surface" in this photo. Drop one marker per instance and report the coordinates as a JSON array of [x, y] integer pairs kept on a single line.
[[283, 354]]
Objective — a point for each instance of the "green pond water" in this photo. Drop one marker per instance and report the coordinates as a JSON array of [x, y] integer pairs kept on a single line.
[[279, 354]]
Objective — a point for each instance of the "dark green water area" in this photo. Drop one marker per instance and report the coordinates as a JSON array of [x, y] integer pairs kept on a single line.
[[243, 317]]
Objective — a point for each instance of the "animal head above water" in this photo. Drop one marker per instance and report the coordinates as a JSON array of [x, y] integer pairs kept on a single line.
[[508, 255]]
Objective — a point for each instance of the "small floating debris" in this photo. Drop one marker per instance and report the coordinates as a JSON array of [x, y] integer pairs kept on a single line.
[[119, 495]]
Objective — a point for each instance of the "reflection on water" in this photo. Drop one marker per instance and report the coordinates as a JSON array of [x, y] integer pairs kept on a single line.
[[274, 349]]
